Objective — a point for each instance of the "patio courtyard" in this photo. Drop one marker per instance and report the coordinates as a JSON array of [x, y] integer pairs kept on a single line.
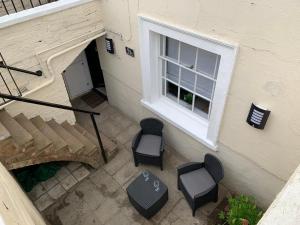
[[80, 195]]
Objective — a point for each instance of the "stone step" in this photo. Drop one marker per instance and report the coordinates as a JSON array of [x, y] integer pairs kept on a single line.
[[7, 144], [4, 133], [58, 143], [109, 146], [89, 146], [73, 143], [40, 141], [20, 135]]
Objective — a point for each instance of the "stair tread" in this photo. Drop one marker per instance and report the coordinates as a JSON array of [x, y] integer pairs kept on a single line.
[[57, 141], [39, 139], [4, 133], [109, 146], [89, 146], [73, 143], [20, 135]]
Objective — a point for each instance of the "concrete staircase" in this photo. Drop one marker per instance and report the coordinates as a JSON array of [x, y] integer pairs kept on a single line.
[[25, 142]]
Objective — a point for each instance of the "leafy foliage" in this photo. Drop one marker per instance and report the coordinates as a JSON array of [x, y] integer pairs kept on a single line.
[[188, 98], [241, 207]]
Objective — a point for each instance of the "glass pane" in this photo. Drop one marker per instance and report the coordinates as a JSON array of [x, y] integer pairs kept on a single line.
[[204, 86], [187, 79], [208, 63], [172, 48], [172, 72], [186, 98], [163, 87], [187, 55], [172, 91], [201, 106]]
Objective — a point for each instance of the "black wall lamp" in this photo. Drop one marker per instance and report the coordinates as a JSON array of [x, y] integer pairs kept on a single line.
[[109, 45], [258, 117]]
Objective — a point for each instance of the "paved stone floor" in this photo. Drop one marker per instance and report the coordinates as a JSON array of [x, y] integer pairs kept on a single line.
[[99, 196]]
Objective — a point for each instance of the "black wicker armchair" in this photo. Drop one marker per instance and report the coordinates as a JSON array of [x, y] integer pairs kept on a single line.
[[148, 144], [199, 181]]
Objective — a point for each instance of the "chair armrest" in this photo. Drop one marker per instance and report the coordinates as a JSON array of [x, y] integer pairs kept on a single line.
[[189, 167], [136, 140]]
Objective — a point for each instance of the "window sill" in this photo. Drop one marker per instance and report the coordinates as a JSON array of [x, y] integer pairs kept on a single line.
[[187, 122]]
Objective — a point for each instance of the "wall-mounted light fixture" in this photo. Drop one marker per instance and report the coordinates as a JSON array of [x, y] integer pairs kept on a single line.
[[258, 117], [109, 45]]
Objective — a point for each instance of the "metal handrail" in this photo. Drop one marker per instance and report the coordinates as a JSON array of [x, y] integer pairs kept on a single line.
[[65, 107], [37, 73]]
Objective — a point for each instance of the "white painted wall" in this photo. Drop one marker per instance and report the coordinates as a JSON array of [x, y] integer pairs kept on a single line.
[[285, 209], [16, 207], [49, 43], [257, 162]]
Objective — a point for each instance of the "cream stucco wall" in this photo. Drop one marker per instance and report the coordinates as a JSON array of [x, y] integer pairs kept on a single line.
[[285, 209], [16, 207], [257, 162], [49, 43]]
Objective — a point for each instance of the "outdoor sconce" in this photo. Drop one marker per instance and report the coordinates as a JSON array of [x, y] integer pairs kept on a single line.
[[258, 117], [109, 45]]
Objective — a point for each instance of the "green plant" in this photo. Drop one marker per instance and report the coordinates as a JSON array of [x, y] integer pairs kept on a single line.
[[241, 208], [188, 98]]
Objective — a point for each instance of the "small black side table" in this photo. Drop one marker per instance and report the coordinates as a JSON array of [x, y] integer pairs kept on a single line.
[[143, 196]]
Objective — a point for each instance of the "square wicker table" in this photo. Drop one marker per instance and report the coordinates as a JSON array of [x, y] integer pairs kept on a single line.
[[143, 196]]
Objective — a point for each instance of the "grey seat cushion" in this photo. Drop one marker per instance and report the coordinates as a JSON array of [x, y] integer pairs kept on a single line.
[[198, 182], [149, 145]]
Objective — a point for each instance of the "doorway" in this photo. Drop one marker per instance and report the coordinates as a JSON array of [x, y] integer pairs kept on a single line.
[[84, 78], [93, 60]]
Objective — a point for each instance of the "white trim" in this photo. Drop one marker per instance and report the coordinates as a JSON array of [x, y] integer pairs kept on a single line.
[[149, 33], [197, 129], [39, 11]]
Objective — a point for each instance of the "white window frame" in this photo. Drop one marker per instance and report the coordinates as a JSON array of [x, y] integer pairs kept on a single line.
[[204, 130]]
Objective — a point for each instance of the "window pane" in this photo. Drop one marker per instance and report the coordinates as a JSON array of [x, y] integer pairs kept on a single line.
[[163, 87], [208, 63], [201, 106], [172, 72], [187, 55], [186, 98], [187, 79], [172, 91], [172, 48], [204, 87]]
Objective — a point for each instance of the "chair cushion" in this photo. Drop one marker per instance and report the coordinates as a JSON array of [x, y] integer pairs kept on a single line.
[[149, 145], [198, 182]]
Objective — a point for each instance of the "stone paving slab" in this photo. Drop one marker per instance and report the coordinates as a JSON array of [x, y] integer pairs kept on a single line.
[[122, 158], [100, 197], [57, 191], [81, 173]]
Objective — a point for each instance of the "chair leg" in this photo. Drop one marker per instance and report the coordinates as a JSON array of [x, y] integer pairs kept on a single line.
[[194, 212], [216, 198], [216, 194], [135, 161]]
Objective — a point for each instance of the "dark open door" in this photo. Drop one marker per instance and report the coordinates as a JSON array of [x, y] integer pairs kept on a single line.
[[94, 65]]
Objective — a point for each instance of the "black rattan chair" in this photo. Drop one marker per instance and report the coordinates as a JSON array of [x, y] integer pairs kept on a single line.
[[199, 181], [148, 144]]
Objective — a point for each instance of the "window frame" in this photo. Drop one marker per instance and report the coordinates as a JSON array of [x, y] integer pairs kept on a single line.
[[204, 130], [197, 75]]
